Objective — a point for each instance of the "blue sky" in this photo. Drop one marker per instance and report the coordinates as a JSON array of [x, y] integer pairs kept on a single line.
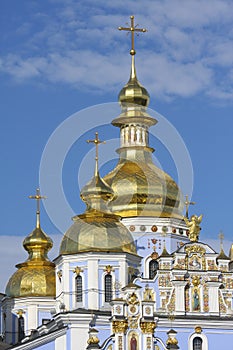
[[58, 57]]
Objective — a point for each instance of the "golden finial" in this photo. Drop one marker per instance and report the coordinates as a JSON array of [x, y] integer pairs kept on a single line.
[[187, 203], [221, 238], [133, 29], [96, 142], [38, 198]]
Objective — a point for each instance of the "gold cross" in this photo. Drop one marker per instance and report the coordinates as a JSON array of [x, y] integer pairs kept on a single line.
[[221, 237], [38, 198], [187, 203], [96, 142], [133, 29]]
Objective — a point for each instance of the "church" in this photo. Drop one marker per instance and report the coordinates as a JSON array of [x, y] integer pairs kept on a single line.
[[132, 272]]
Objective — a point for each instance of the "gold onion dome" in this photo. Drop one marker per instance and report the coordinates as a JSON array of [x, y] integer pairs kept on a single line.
[[36, 276], [133, 92], [97, 230], [140, 187]]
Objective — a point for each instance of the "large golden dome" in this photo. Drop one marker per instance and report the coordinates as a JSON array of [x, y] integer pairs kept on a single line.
[[36, 276], [98, 229], [142, 188]]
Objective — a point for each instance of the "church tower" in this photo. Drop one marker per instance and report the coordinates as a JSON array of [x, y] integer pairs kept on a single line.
[[30, 292]]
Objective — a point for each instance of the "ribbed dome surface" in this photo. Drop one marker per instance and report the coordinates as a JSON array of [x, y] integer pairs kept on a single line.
[[36, 276], [98, 232], [143, 189]]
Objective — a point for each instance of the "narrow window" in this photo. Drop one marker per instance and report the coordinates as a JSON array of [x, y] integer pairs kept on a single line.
[[79, 289], [21, 327], [153, 267], [108, 288], [197, 343]]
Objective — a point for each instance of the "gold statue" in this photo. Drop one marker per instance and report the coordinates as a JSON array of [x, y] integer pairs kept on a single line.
[[194, 227]]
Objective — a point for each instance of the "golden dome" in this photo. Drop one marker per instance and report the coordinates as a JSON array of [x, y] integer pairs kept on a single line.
[[140, 187], [36, 276], [97, 230], [143, 189]]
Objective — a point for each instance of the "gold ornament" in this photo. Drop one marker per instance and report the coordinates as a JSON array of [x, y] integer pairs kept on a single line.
[[77, 270], [108, 269], [93, 340], [196, 280], [120, 326], [195, 249], [20, 312], [147, 327], [194, 227], [198, 329], [133, 299]]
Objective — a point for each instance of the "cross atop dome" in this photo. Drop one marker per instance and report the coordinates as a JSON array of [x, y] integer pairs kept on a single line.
[[96, 142], [38, 198], [133, 29]]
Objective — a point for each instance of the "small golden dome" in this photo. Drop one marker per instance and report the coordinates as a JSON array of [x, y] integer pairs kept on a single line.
[[36, 276], [133, 92], [97, 230], [97, 187]]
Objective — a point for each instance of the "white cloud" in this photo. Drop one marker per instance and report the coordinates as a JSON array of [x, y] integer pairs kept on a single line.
[[186, 45]]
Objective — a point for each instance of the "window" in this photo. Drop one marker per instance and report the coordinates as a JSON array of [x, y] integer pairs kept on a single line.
[[197, 343], [79, 289], [108, 288], [153, 267], [21, 327]]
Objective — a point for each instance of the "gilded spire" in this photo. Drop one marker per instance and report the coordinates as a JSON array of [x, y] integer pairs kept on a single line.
[[38, 198]]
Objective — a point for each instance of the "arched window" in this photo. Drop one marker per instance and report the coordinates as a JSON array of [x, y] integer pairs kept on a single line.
[[108, 288], [21, 327], [153, 267], [197, 343], [79, 289]]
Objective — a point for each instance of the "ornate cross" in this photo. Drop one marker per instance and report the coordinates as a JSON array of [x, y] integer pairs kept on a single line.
[[133, 29], [38, 198], [221, 237], [96, 142], [187, 203]]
